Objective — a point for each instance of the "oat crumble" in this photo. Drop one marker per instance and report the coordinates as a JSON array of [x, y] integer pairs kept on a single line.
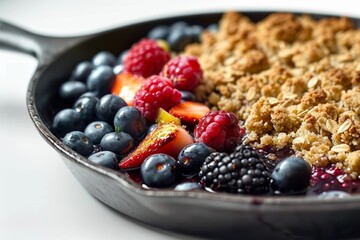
[[293, 80]]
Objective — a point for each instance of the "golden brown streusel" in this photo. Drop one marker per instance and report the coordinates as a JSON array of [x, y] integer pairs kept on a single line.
[[294, 81]]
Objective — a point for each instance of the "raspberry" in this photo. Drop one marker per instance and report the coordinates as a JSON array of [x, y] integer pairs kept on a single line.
[[243, 171], [146, 58], [219, 130], [156, 92], [185, 72]]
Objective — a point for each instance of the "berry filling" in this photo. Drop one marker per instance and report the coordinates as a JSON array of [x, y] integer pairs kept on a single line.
[[331, 178]]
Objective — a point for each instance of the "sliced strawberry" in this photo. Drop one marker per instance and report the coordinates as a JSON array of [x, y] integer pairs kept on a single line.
[[189, 112], [167, 138], [126, 85]]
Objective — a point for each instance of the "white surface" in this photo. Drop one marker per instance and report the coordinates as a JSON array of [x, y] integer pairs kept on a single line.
[[40, 199]]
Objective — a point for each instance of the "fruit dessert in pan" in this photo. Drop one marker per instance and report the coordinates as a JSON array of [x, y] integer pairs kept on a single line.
[[251, 108]]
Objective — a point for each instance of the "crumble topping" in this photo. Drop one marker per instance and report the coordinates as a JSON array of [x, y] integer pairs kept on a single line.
[[294, 82]]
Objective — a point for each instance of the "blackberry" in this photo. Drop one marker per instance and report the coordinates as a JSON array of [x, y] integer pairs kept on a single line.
[[242, 171]]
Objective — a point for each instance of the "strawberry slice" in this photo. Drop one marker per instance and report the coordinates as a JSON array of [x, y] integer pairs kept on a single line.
[[167, 138], [126, 85], [189, 112]]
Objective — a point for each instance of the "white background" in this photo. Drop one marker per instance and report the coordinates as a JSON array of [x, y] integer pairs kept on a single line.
[[39, 198]]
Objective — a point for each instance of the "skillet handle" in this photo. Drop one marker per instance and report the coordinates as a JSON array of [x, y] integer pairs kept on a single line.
[[44, 48]]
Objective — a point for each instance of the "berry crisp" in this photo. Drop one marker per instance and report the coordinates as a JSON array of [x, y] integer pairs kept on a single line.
[[266, 108], [293, 80]]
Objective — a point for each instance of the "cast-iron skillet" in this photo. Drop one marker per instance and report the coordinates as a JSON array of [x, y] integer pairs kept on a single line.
[[198, 212]]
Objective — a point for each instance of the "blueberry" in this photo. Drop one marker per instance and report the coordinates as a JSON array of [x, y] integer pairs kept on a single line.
[[108, 106], [179, 25], [151, 128], [187, 186], [291, 176], [82, 71], [192, 157], [179, 38], [101, 80], [67, 120], [159, 32], [187, 96], [122, 56], [90, 94], [119, 143], [130, 120], [106, 159], [333, 195], [79, 142], [118, 69], [95, 131], [71, 90], [195, 32], [104, 58], [86, 107], [213, 28], [159, 170]]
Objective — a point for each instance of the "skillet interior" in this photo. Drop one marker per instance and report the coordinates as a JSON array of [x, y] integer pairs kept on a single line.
[[200, 213]]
